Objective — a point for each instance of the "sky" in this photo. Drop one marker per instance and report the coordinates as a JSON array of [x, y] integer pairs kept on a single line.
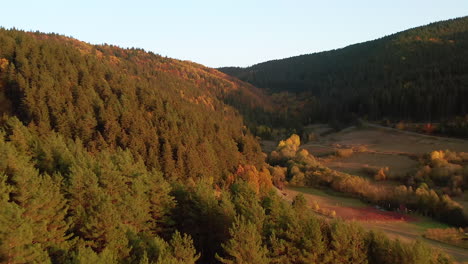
[[226, 32]]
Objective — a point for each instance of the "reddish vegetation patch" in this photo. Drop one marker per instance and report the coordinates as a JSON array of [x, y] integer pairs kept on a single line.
[[371, 214]]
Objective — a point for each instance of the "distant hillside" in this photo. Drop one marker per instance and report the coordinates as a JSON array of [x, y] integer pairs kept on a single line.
[[420, 74]]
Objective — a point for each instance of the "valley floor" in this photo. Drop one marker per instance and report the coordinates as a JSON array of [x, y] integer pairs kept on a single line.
[[375, 147]]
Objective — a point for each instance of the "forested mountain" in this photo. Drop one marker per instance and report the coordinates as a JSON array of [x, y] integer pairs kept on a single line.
[[111, 155], [417, 75], [109, 97]]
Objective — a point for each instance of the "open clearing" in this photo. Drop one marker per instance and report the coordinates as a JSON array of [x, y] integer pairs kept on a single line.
[[347, 208], [355, 164], [380, 147], [376, 147], [389, 140]]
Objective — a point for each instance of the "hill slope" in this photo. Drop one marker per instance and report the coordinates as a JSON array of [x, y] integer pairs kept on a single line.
[[419, 74], [165, 110], [93, 136], [111, 155]]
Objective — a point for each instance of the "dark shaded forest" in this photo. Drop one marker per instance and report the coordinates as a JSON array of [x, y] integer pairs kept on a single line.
[[418, 75], [111, 155]]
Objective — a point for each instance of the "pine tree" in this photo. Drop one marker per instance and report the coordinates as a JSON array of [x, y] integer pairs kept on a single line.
[[347, 244], [44, 205], [17, 232], [245, 245]]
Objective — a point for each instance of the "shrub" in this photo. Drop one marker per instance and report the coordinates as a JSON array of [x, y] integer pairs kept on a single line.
[[381, 174], [344, 153], [361, 149]]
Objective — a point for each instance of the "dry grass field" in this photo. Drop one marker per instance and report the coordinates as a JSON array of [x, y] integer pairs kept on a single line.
[[383, 139], [360, 151], [376, 147]]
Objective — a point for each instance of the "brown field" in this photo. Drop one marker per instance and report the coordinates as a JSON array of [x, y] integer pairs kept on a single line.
[[390, 140], [355, 164], [319, 150], [371, 214], [376, 147], [347, 208]]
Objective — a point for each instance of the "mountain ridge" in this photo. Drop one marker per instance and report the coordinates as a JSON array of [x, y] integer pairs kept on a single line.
[[378, 79], [347, 46]]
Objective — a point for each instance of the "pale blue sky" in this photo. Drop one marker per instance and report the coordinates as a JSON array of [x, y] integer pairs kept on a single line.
[[227, 32]]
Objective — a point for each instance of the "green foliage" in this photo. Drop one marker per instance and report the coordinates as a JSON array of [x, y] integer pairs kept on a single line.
[[205, 215], [299, 203], [245, 245], [34, 200], [293, 236], [83, 211], [87, 255], [382, 250], [348, 244], [17, 237], [247, 204], [179, 250]]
